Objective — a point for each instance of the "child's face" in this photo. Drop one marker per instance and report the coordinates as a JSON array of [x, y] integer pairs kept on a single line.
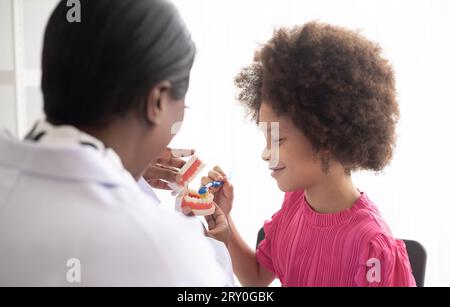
[[298, 165]]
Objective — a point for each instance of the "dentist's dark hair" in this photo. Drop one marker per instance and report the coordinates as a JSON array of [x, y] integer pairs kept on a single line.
[[106, 65]]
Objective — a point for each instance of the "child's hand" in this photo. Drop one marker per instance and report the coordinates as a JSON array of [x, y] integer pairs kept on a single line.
[[218, 227], [223, 196]]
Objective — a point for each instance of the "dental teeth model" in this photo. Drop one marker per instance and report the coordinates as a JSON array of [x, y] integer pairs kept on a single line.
[[200, 204]]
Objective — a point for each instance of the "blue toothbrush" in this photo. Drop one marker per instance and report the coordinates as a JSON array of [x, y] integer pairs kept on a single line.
[[213, 184]]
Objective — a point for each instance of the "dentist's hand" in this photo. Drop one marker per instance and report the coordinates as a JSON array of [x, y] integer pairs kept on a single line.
[[166, 168], [223, 195]]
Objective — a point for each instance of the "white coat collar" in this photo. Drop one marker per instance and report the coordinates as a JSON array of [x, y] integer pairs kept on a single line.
[[64, 153]]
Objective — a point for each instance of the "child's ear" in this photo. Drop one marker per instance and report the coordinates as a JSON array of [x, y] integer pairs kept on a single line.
[[156, 101]]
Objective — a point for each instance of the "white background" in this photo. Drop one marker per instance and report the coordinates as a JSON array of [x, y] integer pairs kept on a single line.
[[411, 193]]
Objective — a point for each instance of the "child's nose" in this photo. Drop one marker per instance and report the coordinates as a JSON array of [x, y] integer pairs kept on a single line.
[[265, 154]]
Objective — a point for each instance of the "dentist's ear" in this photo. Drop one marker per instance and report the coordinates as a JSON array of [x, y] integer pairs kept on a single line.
[[156, 102]]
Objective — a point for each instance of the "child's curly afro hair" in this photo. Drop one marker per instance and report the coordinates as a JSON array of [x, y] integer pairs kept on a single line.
[[335, 86]]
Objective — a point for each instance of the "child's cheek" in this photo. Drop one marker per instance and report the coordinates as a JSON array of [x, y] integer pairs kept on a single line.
[[300, 173]]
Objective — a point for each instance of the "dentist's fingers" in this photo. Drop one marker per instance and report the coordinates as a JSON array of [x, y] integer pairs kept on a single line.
[[178, 153], [162, 173], [175, 169], [171, 162], [171, 157], [158, 184]]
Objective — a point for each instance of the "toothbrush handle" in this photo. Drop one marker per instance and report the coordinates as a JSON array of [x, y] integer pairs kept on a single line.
[[214, 184]]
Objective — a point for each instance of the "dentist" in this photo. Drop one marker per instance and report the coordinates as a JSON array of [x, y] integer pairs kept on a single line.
[[71, 211]]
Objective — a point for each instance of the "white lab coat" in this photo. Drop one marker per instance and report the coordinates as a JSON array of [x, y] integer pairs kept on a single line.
[[71, 214]]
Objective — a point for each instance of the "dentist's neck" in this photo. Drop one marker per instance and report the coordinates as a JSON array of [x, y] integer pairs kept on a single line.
[[125, 138]]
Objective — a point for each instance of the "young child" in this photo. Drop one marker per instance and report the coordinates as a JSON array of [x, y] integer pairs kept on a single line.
[[333, 95]]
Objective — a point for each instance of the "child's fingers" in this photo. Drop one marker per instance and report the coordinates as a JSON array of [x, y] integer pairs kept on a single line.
[[212, 176], [211, 222], [219, 170], [205, 180], [227, 186], [215, 176], [228, 189], [220, 229]]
